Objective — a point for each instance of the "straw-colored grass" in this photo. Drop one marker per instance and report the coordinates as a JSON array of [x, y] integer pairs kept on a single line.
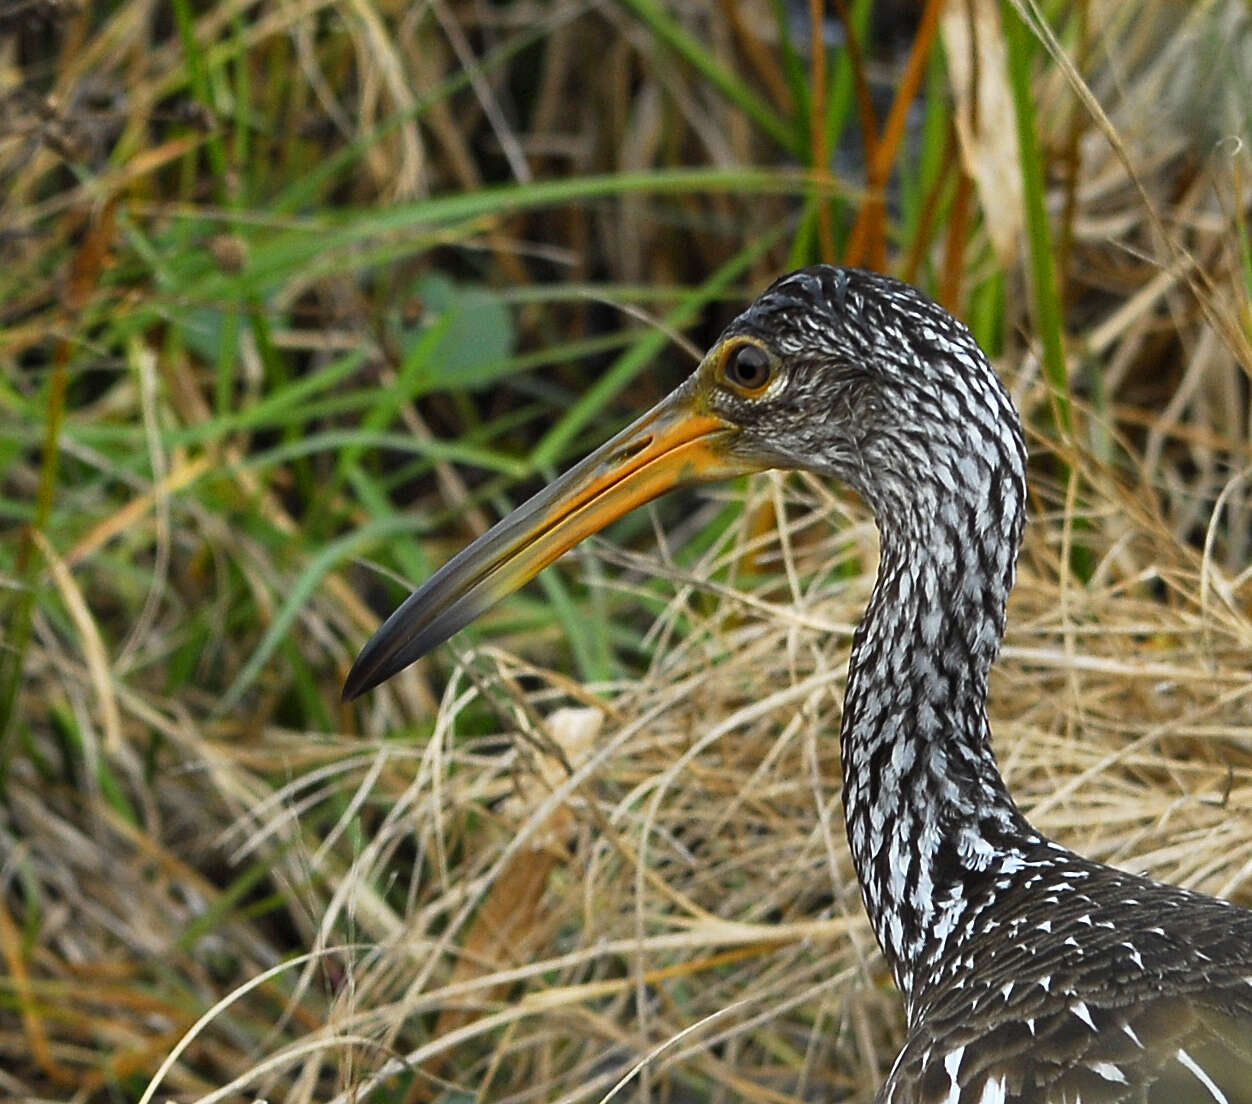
[[651, 886], [594, 851]]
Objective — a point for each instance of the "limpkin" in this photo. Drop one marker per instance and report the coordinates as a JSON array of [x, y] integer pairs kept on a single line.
[[1029, 973]]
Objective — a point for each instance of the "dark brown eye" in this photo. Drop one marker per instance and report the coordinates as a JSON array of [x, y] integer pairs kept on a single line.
[[747, 367]]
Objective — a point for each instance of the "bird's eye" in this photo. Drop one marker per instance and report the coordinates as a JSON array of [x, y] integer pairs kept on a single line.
[[747, 367]]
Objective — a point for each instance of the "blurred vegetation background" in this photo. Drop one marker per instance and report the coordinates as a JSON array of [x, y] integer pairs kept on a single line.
[[297, 297]]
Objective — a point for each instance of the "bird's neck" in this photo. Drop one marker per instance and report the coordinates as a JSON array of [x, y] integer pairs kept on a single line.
[[930, 821]]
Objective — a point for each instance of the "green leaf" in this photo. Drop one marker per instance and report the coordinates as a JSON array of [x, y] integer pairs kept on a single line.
[[466, 338]]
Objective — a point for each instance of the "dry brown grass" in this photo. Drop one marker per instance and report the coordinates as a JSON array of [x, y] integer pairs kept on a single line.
[[638, 890], [684, 893], [655, 890], [663, 875]]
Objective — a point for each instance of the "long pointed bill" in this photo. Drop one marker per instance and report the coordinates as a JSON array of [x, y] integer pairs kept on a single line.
[[674, 445]]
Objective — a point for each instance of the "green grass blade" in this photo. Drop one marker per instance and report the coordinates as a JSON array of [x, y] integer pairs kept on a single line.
[[1048, 317], [325, 561]]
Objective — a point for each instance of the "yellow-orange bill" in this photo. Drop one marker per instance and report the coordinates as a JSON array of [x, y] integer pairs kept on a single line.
[[674, 445]]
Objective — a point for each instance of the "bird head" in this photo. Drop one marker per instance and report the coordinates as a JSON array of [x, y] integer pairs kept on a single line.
[[862, 378]]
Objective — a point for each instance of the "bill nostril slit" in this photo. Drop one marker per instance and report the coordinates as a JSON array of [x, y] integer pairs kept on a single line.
[[627, 452]]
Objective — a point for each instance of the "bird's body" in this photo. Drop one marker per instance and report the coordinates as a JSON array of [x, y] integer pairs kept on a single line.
[[1029, 973], [1069, 981]]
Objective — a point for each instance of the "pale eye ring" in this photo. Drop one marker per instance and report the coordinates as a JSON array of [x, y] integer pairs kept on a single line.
[[748, 367]]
